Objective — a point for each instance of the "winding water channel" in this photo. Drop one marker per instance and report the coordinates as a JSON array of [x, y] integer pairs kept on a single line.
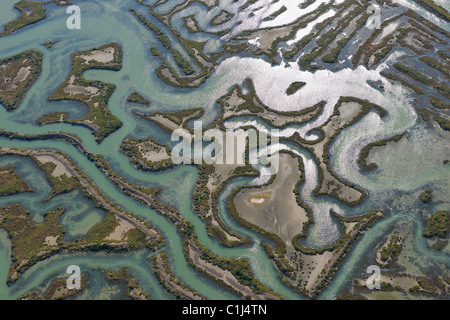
[[118, 25]]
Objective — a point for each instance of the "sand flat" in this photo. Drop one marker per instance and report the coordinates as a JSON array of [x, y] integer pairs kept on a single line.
[[120, 230], [60, 169], [274, 207], [106, 55]]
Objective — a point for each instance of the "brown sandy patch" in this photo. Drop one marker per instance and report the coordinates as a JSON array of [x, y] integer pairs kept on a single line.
[[60, 169], [120, 230], [74, 89], [259, 199], [153, 152], [274, 207], [106, 55], [51, 241]]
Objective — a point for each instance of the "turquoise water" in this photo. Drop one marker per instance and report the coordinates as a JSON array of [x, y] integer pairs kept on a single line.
[[80, 216], [119, 25]]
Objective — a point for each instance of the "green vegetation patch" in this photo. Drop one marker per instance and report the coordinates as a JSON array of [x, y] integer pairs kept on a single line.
[[134, 150], [347, 240], [135, 237], [392, 250], [49, 44], [168, 280], [438, 225], [276, 14], [444, 69], [133, 287], [326, 39], [239, 267], [402, 81], [137, 98], [435, 8], [95, 94], [441, 121], [413, 74], [221, 18], [426, 196], [102, 229], [155, 52], [61, 184], [28, 238], [17, 74], [181, 62], [438, 103], [11, 182], [294, 87], [30, 12], [366, 150]]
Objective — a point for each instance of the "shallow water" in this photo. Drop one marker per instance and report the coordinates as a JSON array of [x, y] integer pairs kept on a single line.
[[119, 25]]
